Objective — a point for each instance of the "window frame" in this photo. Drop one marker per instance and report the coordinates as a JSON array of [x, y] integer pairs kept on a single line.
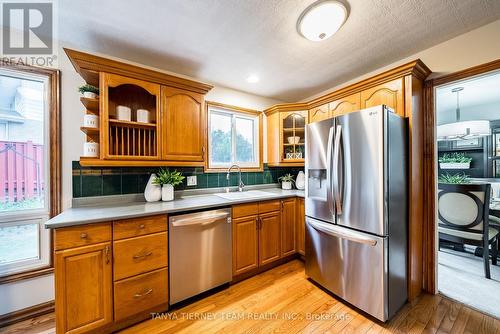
[[236, 112], [53, 182]]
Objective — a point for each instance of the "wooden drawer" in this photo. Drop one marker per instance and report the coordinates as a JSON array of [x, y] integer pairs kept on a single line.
[[82, 235], [245, 210], [140, 293], [135, 227], [140, 254], [269, 206]]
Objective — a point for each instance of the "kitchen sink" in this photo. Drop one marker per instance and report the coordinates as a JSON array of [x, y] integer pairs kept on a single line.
[[244, 194]]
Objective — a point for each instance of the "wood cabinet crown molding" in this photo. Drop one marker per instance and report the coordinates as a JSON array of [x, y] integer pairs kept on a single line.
[[89, 66], [416, 68]]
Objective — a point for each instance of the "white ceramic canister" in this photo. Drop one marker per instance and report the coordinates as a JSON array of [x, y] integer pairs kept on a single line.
[[123, 113], [91, 150], [91, 121], [142, 115], [90, 95], [300, 182]]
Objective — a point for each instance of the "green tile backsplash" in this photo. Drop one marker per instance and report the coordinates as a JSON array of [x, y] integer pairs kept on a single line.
[[93, 181]]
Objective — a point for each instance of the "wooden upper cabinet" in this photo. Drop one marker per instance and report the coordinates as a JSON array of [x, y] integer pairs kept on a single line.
[[390, 93], [129, 139], [319, 113], [245, 244], [184, 125], [345, 105], [83, 288], [288, 226], [292, 125], [269, 237]]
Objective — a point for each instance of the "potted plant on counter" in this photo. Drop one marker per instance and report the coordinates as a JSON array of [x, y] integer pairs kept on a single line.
[[89, 91], [286, 181], [454, 161], [168, 180]]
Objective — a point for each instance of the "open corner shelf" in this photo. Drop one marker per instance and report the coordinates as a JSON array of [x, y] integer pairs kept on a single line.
[[92, 105]]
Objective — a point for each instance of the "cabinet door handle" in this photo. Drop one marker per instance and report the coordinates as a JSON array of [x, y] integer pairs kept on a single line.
[[106, 252], [142, 256], [145, 293], [83, 235]]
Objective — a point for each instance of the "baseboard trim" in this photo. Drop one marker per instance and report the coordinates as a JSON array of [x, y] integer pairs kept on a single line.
[[26, 313]]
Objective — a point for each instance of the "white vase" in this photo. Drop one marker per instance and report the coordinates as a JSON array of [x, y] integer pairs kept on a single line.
[[152, 193], [167, 192], [286, 185], [300, 182], [89, 95]]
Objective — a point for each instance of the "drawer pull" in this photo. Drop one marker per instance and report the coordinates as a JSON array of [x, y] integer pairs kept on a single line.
[[142, 226], [139, 295], [141, 256], [83, 235]]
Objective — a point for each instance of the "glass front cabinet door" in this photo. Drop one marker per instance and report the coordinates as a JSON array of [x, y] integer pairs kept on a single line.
[[292, 128]]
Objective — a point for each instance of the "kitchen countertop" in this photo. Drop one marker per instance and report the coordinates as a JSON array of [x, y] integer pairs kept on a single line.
[[95, 214]]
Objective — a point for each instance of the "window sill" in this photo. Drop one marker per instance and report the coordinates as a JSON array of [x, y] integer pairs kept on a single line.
[[224, 169], [26, 275]]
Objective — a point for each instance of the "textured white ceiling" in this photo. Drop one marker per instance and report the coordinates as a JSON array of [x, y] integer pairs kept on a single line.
[[223, 41]]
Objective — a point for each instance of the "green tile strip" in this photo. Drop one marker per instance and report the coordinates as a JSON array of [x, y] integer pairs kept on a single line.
[[93, 181]]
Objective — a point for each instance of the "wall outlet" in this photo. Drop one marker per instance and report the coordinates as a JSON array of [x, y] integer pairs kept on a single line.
[[191, 180]]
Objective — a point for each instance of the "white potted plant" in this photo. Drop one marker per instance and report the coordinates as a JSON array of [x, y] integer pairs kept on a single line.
[[286, 181], [454, 161], [168, 180], [89, 91]]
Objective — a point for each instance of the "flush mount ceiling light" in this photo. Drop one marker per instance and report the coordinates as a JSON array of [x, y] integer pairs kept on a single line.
[[462, 129], [253, 78], [322, 19]]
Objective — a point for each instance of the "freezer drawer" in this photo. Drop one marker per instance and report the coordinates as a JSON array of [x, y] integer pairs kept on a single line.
[[350, 264]]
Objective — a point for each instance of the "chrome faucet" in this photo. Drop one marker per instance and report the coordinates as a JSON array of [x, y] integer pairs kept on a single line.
[[240, 183]]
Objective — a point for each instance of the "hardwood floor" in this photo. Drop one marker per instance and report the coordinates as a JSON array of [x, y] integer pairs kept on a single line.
[[282, 300]]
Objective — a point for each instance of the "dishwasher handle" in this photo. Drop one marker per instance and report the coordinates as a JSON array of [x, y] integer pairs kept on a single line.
[[201, 220]]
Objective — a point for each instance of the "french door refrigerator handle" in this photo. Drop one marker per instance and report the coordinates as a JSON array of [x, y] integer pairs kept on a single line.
[[336, 157], [335, 232], [329, 171]]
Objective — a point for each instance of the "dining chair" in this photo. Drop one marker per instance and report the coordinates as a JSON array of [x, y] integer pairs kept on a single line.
[[463, 211]]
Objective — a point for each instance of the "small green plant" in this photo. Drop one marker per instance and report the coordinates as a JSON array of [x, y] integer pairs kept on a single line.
[[165, 176], [286, 178], [88, 88], [454, 179], [454, 158]]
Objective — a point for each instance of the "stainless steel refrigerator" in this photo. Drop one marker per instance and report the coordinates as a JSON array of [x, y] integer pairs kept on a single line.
[[357, 208]]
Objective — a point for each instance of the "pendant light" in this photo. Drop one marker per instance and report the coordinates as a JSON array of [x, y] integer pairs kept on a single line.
[[462, 129]]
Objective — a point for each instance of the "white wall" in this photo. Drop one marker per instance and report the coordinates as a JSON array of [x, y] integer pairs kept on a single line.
[[476, 47]]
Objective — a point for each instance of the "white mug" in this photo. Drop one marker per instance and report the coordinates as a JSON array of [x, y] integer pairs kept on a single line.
[[142, 115], [91, 150], [91, 121], [123, 113]]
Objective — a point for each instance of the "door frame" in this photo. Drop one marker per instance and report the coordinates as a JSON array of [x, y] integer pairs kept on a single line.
[[430, 158]]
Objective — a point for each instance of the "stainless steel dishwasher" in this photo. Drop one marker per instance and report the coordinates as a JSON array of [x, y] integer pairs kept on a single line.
[[200, 250]]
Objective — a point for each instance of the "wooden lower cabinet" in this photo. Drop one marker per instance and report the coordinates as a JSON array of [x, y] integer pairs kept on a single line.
[[84, 300], [288, 236], [89, 298], [269, 237], [301, 226], [245, 244]]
